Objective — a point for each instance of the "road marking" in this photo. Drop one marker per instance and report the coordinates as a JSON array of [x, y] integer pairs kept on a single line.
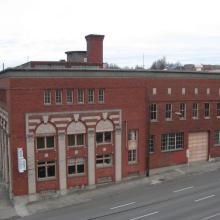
[[120, 206], [207, 197], [180, 190], [212, 216], [180, 171], [149, 214]]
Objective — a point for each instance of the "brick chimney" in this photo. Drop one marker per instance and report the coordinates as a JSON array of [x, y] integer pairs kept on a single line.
[[95, 49]]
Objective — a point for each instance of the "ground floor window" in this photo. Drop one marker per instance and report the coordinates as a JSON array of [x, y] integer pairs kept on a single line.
[[76, 166], [104, 160], [172, 141], [217, 137], [46, 169], [151, 144], [132, 156]]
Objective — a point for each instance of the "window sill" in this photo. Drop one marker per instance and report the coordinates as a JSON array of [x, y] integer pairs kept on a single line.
[[206, 118], [47, 104], [154, 120], [46, 179], [168, 151], [75, 147], [103, 167], [195, 118], [101, 144], [76, 175], [182, 119], [132, 163], [46, 149], [168, 119]]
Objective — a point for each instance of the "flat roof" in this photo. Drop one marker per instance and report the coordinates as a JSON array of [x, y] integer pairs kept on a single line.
[[86, 72]]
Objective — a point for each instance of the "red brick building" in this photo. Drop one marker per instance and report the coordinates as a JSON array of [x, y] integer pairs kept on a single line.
[[78, 124]]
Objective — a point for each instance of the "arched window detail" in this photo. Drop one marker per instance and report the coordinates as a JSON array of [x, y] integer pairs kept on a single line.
[[76, 134], [45, 136], [104, 130]]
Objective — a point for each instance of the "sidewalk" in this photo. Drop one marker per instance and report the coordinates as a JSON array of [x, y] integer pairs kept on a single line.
[[156, 176], [7, 210]]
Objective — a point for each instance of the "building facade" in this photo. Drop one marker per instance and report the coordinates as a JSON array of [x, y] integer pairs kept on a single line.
[[80, 127]]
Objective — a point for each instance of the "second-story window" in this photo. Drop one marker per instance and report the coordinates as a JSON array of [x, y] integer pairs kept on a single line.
[[58, 96], [153, 112], [45, 142], [195, 110], [47, 97], [218, 110], [91, 95], [101, 95], [168, 112], [69, 96], [182, 110], [207, 110], [80, 96]]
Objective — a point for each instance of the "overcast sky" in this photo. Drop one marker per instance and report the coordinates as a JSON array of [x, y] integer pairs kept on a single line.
[[187, 31]]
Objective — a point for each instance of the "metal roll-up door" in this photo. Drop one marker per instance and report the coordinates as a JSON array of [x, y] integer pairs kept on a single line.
[[198, 146]]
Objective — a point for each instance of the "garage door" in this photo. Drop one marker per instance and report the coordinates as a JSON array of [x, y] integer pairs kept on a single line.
[[198, 146]]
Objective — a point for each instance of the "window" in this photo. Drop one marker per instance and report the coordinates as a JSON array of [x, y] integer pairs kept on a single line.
[[74, 140], [91, 95], [182, 110], [58, 96], [104, 160], [207, 110], [218, 110], [45, 142], [151, 144], [208, 91], [169, 91], [196, 91], [80, 96], [104, 137], [153, 112], [101, 95], [154, 91], [183, 91], [132, 156], [69, 96], [46, 169], [168, 112], [76, 167], [172, 141], [195, 110], [217, 137], [47, 97], [132, 135]]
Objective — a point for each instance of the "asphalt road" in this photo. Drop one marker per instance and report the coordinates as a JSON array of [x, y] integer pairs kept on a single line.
[[189, 197]]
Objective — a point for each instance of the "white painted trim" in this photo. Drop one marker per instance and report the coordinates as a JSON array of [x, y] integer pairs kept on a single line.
[[90, 123], [34, 121], [60, 119], [90, 118]]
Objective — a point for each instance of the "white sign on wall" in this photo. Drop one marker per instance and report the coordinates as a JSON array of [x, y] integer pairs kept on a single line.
[[21, 161]]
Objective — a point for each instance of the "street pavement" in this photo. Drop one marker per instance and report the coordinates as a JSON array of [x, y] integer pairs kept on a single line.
[[135, 199]]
